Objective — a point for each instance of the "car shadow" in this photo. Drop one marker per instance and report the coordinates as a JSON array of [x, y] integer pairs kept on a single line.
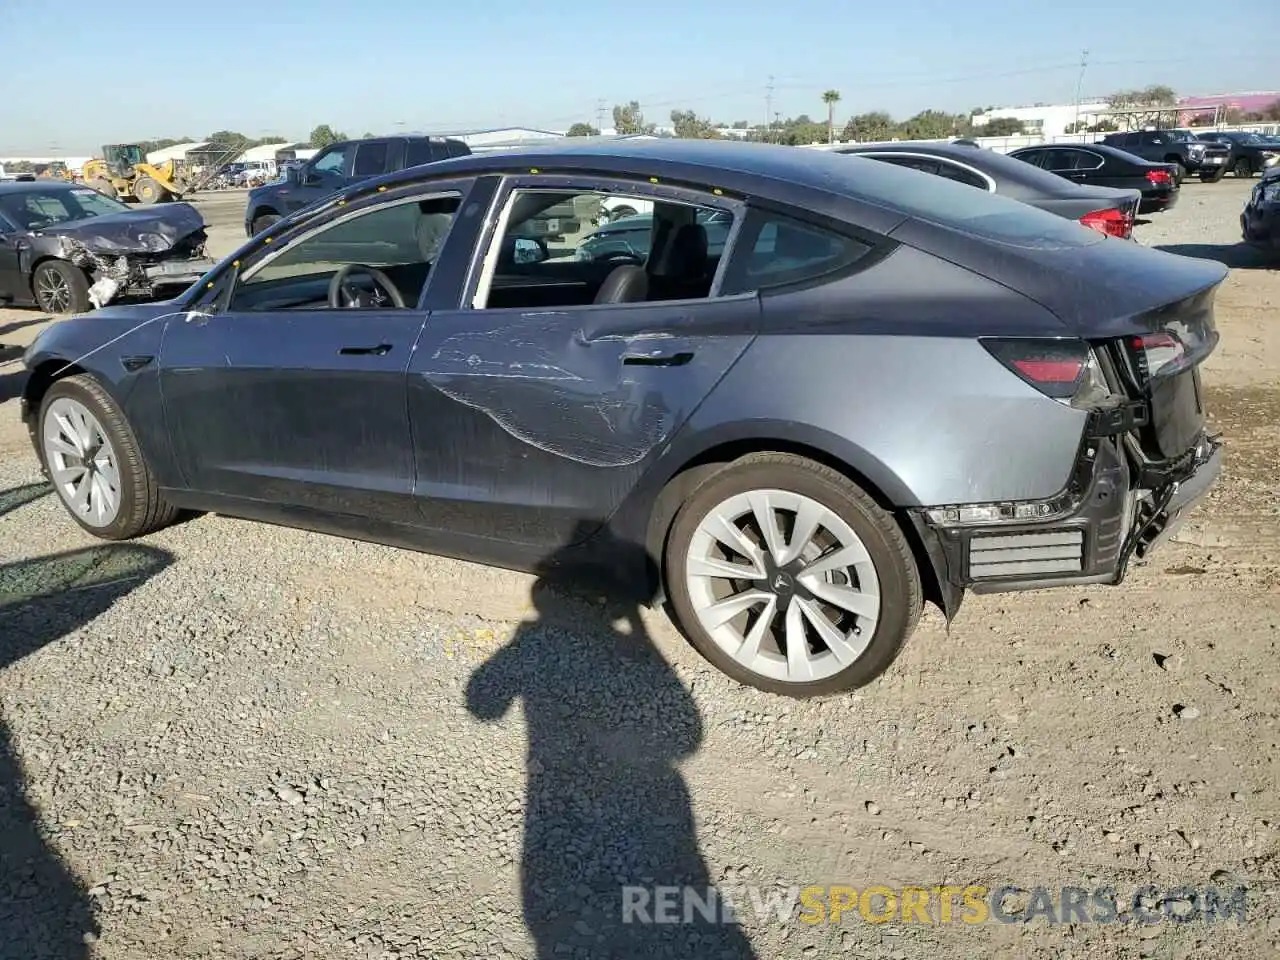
[[45, 910], [608, 816], [11, 381], [1239, 256], [40, 317]]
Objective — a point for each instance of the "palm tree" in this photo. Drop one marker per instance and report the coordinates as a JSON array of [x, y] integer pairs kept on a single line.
[[831, 98]]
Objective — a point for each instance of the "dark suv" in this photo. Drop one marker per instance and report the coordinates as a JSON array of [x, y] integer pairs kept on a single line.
[[1249, 152], [339, 165], [1181, 147]]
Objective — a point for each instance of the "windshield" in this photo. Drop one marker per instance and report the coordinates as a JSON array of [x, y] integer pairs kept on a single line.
[[38, 209], [1246, 138]]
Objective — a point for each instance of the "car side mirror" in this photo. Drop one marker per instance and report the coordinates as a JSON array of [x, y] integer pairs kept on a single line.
[[291, 175], [529, 250], [311, 179]]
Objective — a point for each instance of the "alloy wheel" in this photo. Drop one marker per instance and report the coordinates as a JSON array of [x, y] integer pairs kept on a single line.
[[82, 462], [53, 292], [783, 585]]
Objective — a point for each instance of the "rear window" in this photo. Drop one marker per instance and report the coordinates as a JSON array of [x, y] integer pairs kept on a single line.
[[422, 151], [976, 213]]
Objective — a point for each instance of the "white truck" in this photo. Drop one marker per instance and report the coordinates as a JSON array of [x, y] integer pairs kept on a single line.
[[6, 176]]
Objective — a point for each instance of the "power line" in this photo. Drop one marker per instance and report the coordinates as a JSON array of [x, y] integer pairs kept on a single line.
[[1084, 62]]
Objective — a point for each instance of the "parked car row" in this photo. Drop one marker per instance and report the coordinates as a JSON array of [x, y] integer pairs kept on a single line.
[[816, 392]]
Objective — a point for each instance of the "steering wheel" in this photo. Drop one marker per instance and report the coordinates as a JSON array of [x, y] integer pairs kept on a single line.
[[344, 295]]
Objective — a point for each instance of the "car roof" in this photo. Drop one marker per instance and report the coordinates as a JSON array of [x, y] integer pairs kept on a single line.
[[799, 176], [1014, 178], [1105, 149], [30, 186]]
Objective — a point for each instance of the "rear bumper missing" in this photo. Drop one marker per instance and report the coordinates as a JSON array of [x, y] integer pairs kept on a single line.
[[1117, 514]]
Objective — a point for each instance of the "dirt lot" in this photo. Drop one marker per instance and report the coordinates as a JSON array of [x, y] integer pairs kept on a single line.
[[281, 745]]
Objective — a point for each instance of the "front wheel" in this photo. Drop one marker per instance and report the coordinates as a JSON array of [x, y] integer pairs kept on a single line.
[[60, 288], [1243, 168], [148, 191], [93, 461], [1213, 176], [262, 221], [790, 578]]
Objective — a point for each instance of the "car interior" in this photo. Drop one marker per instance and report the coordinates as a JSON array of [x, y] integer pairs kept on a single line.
[[380, 259], [674, 264]]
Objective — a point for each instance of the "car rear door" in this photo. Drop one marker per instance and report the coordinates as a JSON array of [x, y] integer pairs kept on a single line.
[[13, 283], [532, 424]]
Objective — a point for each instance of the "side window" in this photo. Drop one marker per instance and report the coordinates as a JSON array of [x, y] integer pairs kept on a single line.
[[333, 163], [773, 250], [1088, 160], [1034, 157], [923, 164], [958, 173], [371, 158], [1061, 161], [399, 240], [419, 152], [553, 254]]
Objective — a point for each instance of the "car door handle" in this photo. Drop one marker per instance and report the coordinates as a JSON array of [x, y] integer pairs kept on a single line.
[[657, 359], [381, 350]]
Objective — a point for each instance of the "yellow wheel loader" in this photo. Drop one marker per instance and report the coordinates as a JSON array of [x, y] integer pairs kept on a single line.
[[123, 173]]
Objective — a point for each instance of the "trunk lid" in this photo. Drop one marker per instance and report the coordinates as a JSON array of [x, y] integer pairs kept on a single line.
[[1151, 312]]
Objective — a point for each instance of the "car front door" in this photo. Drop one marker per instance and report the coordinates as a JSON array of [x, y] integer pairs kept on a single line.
[[290, 389], [325, 173], [539, 395]]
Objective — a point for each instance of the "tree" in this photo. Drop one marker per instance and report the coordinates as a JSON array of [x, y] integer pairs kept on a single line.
[[369, 136], [831, 98], [628, 119], [1003, 127], [323, 135], [931, 125], [869, 127], [689, 126], [582, 130], [740, 125]]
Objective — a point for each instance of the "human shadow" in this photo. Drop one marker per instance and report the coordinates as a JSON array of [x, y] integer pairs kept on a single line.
[[608, 818], [45, 911], [1240, 256], [20, 324]]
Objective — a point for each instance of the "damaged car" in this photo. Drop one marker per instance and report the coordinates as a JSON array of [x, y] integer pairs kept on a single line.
[[878, 389], [67, 249]]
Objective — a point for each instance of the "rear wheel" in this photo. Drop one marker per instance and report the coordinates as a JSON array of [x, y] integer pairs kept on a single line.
[[103, 186], [1213, 176], [1243, 168], [93, 461], [617, 213], [60, 287], [790, 578]]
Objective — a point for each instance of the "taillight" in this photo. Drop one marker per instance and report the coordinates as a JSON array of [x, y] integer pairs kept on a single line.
[[1112, 222], [1158, 177], [1057, 368], [1158, 354]]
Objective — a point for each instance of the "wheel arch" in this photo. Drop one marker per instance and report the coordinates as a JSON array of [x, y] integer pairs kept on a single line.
[[869, 473]]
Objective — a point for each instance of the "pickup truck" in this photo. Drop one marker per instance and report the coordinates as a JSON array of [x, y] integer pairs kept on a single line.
[[338, 166], [1180, 147], [1249, 153]]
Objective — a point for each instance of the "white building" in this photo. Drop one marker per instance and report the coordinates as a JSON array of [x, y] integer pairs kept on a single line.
[[1045, 120], [178, 151], [479, 139]]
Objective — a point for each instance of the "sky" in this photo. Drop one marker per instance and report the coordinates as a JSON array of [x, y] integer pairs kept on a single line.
[[283, 66]]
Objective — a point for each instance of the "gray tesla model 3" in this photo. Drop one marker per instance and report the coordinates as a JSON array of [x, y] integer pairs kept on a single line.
[[881, 388]]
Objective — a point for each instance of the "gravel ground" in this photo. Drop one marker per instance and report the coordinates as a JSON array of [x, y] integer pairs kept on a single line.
[[241, 741]]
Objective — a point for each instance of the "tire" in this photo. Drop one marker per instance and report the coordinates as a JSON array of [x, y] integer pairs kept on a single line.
[[148, 191], [262, 221], [103, 186], [1179, 172], [139, 507], [887, 564], [60, 288], [617, 213], [1213, 176], [1243, 168]]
